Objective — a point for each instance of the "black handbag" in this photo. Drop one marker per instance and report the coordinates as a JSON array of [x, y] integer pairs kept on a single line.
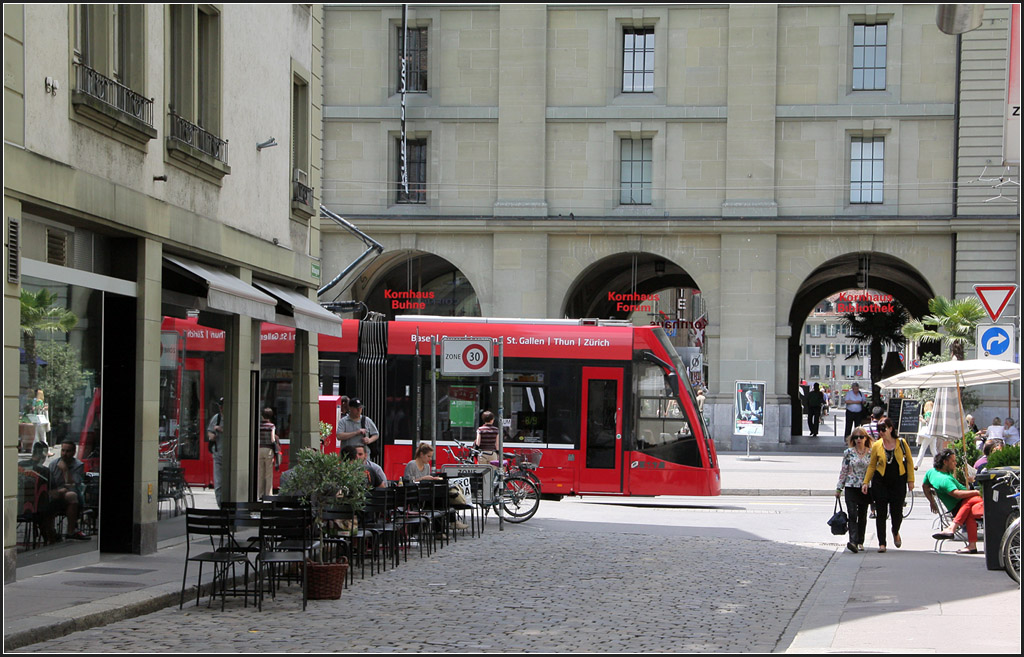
[[839, 522]]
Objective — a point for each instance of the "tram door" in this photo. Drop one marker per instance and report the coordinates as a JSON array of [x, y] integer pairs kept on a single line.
[[196, 459], [601, 431]]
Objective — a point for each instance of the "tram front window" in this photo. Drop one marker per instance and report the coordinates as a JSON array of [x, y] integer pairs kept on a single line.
[[663, 430]]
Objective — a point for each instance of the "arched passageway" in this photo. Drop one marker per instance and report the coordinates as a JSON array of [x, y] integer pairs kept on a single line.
[[416, 283], [852, 271]]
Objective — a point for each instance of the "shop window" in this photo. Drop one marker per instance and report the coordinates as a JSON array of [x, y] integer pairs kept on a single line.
[[59, 420]]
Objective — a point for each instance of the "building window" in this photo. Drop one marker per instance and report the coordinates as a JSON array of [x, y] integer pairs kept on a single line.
[[815, 371], [863, 350], [832, 329], [815, 330], [416, 58], [867, 157], [195, 79], [814, 350], [636, 164], [416, 163], [302, 192], [638, 60], [869, 45], [109, 65]]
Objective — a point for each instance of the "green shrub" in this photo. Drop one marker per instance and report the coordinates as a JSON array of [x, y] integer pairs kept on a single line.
[[1009, 455]]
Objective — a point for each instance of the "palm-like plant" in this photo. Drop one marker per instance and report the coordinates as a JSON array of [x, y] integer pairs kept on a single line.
[[952, 323], [878, 330], [39, 312]]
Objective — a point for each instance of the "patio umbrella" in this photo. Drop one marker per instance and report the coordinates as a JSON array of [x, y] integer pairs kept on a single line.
[[955, 374], [947, 416]]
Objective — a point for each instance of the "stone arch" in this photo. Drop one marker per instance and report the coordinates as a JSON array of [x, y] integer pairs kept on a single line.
[[624, 273], [410, 282], [853, 270]]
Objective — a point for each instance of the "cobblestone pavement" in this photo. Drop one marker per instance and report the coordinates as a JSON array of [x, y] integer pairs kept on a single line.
[[518, 590]]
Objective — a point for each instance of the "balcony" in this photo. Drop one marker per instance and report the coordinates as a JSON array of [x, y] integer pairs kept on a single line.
[[302, 194], [113, 106], [196, 147]]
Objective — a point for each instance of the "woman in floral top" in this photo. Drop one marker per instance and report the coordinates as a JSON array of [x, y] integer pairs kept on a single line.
[[851, 476]]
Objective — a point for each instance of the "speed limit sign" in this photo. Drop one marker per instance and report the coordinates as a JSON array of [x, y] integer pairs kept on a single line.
[[467, 356]]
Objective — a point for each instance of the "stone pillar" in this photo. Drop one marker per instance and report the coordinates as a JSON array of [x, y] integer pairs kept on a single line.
[[522, 110], [242, 361], [12, 386], [520, 275], [750, 134], [748, 339], [305, 394], [148, 317]]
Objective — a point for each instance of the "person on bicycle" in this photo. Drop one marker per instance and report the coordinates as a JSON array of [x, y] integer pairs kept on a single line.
[[487, 439]]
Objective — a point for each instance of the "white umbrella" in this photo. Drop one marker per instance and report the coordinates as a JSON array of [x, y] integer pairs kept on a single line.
[[955, 374], [947, 416]]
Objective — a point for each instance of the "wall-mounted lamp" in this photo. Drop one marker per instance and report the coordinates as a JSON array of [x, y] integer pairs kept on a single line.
[[266, 144], [52, 86]]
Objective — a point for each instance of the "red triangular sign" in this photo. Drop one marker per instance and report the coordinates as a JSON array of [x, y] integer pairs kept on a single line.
[[995, 298]]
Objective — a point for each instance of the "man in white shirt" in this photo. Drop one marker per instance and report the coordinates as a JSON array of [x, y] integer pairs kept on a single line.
[[1011, 434]]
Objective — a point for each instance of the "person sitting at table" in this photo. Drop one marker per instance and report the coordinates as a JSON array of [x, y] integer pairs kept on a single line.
[[966, 505], [418, 469], [991, 445], [374, 474], [67, 487]]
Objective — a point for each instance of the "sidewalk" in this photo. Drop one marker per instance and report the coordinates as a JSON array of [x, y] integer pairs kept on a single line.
[[839, 614]]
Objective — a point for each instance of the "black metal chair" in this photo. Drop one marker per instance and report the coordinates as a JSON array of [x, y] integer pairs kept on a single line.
[[407, 519], [376, 518], [286, 538], [214, 524]]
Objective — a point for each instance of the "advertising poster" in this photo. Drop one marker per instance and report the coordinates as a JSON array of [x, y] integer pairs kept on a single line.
[[749, 408]]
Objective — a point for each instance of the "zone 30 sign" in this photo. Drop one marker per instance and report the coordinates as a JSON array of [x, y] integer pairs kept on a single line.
[[467, 356]]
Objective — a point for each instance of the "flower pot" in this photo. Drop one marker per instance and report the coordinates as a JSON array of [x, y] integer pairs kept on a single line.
[[326, 580]]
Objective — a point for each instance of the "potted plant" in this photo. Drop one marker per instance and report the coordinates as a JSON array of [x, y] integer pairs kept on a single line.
[[321, 480]]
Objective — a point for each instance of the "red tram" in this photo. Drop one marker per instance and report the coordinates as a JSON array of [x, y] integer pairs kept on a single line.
[[608, 403]]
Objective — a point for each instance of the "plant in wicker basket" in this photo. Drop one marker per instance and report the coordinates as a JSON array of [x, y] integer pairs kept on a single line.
[[321, 479]]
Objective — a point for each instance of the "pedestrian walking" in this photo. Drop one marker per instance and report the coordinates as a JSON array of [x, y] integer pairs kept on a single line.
[[851, 477], [814, 402], [892, 469], [854, 401]]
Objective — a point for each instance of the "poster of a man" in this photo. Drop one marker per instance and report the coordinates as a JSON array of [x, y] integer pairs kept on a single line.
[[750, 408]]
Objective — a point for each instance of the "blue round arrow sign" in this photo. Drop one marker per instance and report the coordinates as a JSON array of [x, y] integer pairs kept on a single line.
[[995, 340]]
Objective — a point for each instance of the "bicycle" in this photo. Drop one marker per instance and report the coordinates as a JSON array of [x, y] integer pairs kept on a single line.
[[520, 463], [515, 494], [1009, 547]]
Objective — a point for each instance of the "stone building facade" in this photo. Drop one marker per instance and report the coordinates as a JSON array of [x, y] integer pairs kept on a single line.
[[752, 159], [142, 187]]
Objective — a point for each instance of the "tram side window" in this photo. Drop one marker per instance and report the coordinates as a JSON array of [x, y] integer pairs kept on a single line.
[[663, 429]]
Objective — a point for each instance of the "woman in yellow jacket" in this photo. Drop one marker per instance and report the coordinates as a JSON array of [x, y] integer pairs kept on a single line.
[[891, 461]]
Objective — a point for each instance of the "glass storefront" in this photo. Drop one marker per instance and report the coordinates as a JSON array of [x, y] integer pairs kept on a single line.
[[60, 420]]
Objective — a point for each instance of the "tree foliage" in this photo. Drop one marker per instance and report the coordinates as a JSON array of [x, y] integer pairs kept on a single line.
[[951, 323], [878, 330]]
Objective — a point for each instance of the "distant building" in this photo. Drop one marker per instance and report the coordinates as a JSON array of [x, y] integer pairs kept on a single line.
[[561, 156]]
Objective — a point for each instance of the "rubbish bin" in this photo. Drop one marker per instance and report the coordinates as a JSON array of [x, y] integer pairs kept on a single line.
[[998, 508]]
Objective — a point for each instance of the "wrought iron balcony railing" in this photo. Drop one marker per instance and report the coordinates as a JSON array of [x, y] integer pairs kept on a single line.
[[112, 93], [302, 194], [189, 133]]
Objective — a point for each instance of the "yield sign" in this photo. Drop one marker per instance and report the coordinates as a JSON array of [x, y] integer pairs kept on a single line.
[[995, 298]]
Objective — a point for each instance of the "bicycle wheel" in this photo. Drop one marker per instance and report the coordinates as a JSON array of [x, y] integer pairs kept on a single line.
[[1010, 550], [520, 499]]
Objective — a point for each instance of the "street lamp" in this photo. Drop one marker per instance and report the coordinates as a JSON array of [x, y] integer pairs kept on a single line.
[[832, 366]]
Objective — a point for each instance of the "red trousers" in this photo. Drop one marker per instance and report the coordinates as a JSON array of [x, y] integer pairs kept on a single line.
[[967, 515]]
